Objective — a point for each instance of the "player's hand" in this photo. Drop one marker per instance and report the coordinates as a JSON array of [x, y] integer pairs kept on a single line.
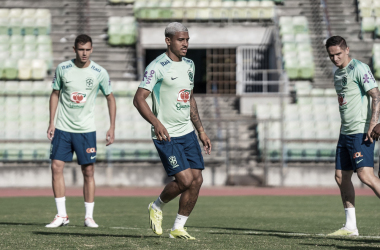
[[206, 143], [161, 132], [110, 136], [50, 132], [375, 134]]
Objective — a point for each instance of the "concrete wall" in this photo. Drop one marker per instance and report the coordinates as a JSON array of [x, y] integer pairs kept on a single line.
[[143, 175], [247, 103]]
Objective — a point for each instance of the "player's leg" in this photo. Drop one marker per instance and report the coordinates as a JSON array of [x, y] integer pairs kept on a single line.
[[367, 176], [85, 148], [343, 174], [175, 164], [189, 197], [60, 152], [364, 155]]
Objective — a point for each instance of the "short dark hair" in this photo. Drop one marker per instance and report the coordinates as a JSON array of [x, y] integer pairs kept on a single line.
[[336, 41], [82, 39]]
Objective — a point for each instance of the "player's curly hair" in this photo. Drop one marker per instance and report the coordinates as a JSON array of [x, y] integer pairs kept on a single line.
[[82, 39], [336, 41]]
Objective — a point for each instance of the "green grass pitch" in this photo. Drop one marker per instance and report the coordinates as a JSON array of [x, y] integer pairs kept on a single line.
[[246, 222]]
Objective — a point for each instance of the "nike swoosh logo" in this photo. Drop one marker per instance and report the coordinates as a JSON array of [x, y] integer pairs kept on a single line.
[[359, 161], [93, 157], [174, 78]]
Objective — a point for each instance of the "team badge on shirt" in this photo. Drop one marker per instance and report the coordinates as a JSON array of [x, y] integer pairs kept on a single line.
[[89, 83], [344, 81], [191, 75]]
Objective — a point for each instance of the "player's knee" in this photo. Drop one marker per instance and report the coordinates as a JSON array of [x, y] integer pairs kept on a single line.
[[338, 179], [185, 184], [88, 171], [56, 168], [198, 181], [364, 177]]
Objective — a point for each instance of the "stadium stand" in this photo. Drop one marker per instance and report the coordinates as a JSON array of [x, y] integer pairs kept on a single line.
[[296, 47], [121, 30], [204, 10], [25, 44]]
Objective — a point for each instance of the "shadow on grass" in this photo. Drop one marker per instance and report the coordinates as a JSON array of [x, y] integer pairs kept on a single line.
[[245, 229], [22, 224], [340, 247], [93, 235]]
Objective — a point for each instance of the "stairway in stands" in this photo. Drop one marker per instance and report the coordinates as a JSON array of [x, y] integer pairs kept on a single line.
[[314, 12], [344, 22]]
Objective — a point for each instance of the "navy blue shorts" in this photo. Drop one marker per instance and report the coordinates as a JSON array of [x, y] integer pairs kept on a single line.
[[353, 152], [180, 153], [65, 143]]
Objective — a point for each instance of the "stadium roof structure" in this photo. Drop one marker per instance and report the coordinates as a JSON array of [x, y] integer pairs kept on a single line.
[[222, 37]]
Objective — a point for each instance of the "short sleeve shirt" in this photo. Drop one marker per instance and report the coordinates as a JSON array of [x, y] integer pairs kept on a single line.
[[171, 84], [352, 84], [78, 90]]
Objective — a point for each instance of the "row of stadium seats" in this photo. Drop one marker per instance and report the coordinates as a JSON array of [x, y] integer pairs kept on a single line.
[[296, 47], [25, 21], [25, 57], [26, 117], [122, 30], [371, 24], [23, 69], [368, 8], [204, 10], [41, 151], [28, 88], [376, 59]]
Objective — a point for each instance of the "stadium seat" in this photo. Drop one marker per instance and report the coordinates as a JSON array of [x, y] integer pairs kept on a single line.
[[365, 9], [153, 10], [190, 9], [15, 26], [368, 24], [215, 9], [376, 8], [164, 10], [114, 35], [177, 11], [291, 67], [267, 10], [42, 13], [10, 69], [203, 10], [240, 10], [38, 69], [4, 30], [24, 69], [286, 29], [42, 26], [128, 34], [16, 12], [28, 26]]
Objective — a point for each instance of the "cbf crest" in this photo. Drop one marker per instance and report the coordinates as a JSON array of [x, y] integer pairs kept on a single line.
[[89, 82], [191, 75], [173, 161]]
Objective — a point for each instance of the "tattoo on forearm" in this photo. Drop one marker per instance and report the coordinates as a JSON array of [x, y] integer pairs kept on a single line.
[[194, 115], [375, 94]]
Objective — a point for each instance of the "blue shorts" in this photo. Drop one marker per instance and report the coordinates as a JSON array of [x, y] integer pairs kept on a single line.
[[353, 152], [180, 153], [65, 143]]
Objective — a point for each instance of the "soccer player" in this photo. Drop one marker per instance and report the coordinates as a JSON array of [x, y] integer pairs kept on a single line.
[[170, 79], [355, 86], [75, 86]]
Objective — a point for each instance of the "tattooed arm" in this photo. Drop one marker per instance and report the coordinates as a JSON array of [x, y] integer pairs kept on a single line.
[[375, 94], [196, 120]]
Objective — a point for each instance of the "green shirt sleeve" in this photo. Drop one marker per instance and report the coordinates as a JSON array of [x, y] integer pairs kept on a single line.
[[365, 78], [153, 74], [192, 85], [105, 83], [57, 80]]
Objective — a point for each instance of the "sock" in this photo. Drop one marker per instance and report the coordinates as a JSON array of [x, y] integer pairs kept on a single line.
[[350, 218], [61, 206], [89, 209], [158, 204], [179, 222]]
